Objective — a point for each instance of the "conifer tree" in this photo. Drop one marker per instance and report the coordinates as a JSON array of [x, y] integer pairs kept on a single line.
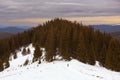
[[24, 52], [1, 65], [113, 56], [50, 45], [14, 55], [37, 53], [81, 49], [28, 51]]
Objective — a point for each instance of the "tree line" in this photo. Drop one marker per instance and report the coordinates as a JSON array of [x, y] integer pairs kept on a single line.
[[71, 40]]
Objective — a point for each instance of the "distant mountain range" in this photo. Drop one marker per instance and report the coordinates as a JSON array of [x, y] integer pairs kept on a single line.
[[6, 31], [14, 29], [107, 28], [114, 30], [23, 27]]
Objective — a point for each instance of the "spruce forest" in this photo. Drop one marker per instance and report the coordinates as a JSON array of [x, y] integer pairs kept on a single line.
[[71, 40]]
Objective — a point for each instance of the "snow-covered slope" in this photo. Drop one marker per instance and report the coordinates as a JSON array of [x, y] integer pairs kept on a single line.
[[57, 70]]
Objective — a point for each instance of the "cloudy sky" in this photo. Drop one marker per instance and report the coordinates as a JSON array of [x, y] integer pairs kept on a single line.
[[33, 12]]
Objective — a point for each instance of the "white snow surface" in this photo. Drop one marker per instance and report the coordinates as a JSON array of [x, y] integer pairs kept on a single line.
[[56, 70], [14, 63]]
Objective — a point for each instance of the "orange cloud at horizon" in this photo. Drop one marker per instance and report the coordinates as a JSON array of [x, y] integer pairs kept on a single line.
[[85, 20]]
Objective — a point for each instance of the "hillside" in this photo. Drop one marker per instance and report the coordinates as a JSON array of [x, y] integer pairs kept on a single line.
[[107, 28], [66, 70], [116, 35], [5, 34], [67, 39], [9, 30]]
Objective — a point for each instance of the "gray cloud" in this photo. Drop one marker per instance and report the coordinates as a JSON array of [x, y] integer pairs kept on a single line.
[[18, 9]]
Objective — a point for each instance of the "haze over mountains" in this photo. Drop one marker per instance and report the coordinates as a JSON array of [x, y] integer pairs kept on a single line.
[[7, 31], [114, 30], [107, 28], [14, 29]]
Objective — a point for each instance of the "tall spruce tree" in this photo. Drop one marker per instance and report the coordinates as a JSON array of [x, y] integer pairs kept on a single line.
[[1, 65], [37, 53]]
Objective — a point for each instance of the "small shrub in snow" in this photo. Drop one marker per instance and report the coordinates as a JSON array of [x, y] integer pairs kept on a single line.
[[24, 52], [26, 62]]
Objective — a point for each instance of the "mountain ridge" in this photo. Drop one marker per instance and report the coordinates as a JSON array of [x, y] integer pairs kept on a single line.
[[14, 29], [107, 28], [68, 39]]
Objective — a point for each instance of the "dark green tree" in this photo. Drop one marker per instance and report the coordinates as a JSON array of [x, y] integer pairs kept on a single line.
[[24, 52], [37, 53]]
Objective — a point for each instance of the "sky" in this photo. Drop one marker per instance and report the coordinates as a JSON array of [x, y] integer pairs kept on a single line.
[[34, 12]]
